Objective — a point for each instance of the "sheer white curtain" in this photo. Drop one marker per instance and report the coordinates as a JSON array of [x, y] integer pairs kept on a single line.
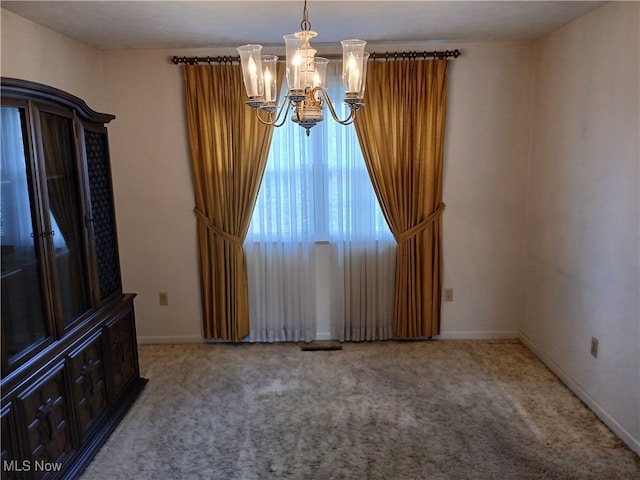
[[316, 204], [363, 248], [279, 244]]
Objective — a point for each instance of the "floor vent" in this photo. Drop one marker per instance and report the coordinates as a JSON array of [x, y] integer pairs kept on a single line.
[[320, 346]]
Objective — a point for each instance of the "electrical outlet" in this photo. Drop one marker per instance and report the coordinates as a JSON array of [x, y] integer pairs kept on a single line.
[[594, 347], [448, 294], [164, 298]]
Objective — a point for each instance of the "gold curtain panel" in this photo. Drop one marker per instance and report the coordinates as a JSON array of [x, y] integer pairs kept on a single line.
[[229, 149], [401, 133]]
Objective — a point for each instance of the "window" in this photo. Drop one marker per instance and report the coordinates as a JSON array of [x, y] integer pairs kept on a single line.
[[317, 186]]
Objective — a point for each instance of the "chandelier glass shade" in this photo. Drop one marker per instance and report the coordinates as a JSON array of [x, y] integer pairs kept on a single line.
[[305, 74]]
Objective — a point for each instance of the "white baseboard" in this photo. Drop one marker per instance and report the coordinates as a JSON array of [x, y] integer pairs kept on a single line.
[[172, 339], [479, 335], [601, 413]]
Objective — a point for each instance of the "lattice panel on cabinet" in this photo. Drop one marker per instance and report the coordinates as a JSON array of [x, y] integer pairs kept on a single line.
[[103, 213]]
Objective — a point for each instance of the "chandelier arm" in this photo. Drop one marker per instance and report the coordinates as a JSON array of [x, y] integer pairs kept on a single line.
[[350, 119], [325, 95], [264, 122], [274, 121], [286, 113]]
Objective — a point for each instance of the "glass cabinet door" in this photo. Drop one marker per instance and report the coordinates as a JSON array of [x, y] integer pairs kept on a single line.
[[66, 218], [23, 316]]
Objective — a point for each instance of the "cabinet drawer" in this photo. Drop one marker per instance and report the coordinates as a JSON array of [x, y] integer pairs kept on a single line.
[[44, 412], [86, 365]]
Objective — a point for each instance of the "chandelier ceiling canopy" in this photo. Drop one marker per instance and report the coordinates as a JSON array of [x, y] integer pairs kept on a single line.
[[305, 74]]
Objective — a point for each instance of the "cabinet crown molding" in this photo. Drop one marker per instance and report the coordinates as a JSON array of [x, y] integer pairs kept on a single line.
[[18, 88]]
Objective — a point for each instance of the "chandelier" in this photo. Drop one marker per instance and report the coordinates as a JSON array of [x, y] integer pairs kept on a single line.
[[305, 73]]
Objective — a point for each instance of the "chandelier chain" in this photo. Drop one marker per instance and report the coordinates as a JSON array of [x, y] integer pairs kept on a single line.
[[305, 25]]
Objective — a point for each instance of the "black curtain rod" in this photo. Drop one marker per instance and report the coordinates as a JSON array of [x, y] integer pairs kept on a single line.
[[376, 56], [439, 55]]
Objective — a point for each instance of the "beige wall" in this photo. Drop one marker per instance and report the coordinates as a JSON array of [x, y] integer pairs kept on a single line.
[[34, 53], [486, 151], [154, 193], [582, 258]]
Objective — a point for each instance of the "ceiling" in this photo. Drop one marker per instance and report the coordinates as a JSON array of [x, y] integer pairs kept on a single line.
[[124, 25]]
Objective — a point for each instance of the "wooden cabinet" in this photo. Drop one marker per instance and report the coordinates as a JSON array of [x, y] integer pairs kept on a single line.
[[69, 353]]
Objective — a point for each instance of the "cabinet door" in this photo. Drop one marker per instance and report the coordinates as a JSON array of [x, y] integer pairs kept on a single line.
[[88, 383], [25, 322], [122, 356], [45, 417], [65, 219]]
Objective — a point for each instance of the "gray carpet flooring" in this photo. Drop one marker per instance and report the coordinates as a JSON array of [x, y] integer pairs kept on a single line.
[[377, 410]]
